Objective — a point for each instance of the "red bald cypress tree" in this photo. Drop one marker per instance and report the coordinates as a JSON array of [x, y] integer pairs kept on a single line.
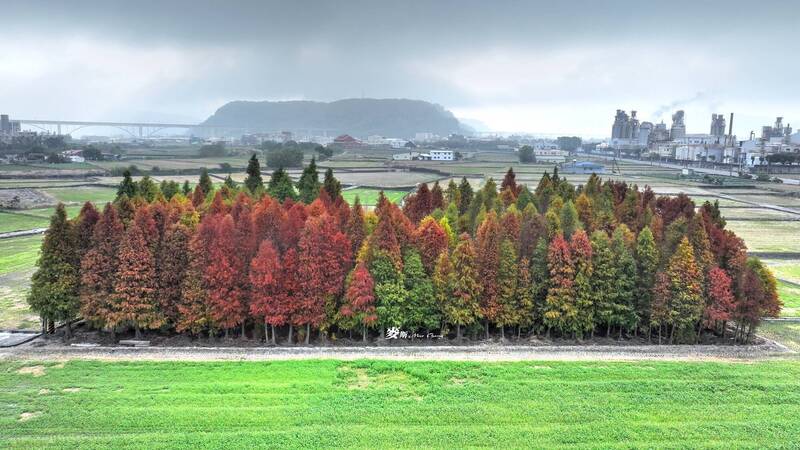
[[559, 309], [581, 249], [431, 240], [84, 229], [324, 258], [487, 250], [720, 304], [268, 294], [135, 285], [198, 196], [226, 293], [359, 304], [173, 262], [99, 268], [437, 197], [355, 227]]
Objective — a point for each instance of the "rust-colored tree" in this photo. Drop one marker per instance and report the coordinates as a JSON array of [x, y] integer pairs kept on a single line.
[[269, 299], [487, 245], [359, 301], [431, 240], [135, 301], [99, 268]]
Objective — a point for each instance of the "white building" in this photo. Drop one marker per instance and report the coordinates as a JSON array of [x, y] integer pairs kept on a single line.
[[442, 155], [550, 155]]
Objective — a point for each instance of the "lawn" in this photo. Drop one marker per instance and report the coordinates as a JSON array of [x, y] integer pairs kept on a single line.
[[30, 218], [790, 296], [370, 196], [788, 270], [97, 194], [19, 253], [18, 221], [381, 404], [768, 236], [787, 333]]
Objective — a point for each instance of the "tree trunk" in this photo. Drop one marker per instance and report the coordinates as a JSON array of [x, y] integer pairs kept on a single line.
[[364, 334], [274, 338], [724, 326], [244, 335], [137, 331], [266, 333], [486, 327], [308, 333], [519, 332], [620, 333], [659, 334], [649, 332], [608, 329], [672, 334], [226, 333], [458, 333], [502, 332], [68, 328], [291, 328], [44, 325]]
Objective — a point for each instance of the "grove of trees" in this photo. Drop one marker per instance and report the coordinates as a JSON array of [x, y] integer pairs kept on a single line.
[[293, 261]]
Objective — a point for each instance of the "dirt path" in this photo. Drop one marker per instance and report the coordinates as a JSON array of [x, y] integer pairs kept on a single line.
[[489, 352]]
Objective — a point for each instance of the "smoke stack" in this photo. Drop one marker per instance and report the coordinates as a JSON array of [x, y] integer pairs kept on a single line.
[[730, 130]]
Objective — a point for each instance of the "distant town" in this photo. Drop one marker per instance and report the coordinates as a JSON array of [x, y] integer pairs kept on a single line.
[[775, 150]]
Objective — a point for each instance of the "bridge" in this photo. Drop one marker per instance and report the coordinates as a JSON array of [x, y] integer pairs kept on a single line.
[[150, 129], [134, 129]]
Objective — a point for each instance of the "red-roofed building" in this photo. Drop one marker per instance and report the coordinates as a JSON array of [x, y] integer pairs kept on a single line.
[[347, 141]]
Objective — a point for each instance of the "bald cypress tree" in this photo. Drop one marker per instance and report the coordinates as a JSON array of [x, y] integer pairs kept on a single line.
[[205, 182], [254, 182], [309, 184], [54, 285], [463, 307]]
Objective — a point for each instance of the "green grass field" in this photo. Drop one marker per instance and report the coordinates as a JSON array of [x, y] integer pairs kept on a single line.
[[768, 236], [97, 194], [790, 296], [370, 196], [381, 404], [19, 253], [787, 333], [28, 219], [18, 221]]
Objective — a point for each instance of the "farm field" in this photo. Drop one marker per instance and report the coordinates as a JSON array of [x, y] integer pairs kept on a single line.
[[19, 253], [369, 197], [401, 404], [96, 194], [788, 270], [768, 236], [787, 333], [790, 295]]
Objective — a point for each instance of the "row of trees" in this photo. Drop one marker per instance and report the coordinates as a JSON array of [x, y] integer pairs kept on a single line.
[[600, 258]]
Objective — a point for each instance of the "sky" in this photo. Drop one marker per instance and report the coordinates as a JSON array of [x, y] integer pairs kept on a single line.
[[560, 67]]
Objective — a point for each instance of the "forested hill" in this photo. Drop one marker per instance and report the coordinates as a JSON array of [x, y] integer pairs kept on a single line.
[[358, 117]]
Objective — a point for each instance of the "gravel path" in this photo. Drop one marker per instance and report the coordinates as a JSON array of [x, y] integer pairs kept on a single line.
[[488, 352]]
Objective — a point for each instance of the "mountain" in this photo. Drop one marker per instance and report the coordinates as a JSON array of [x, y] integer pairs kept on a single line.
[[400, 118]]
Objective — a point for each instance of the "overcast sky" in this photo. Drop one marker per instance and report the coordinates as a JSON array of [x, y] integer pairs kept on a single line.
[[536, 66]]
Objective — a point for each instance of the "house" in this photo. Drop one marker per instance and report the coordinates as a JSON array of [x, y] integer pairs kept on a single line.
[[408, 156], [346, 141], [583, 167], [442, 155]]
